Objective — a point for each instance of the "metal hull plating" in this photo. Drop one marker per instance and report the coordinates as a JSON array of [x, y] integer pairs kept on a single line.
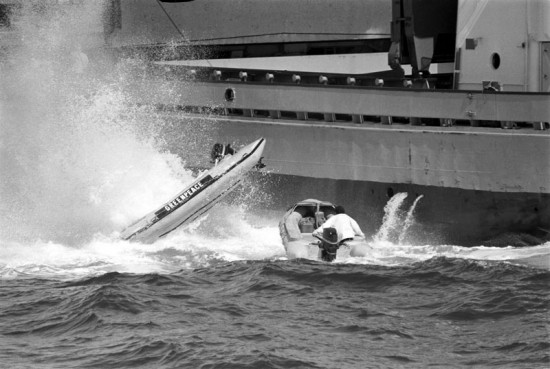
[[476, 184]]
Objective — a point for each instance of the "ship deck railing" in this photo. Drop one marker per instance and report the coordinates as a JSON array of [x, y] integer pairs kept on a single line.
[[360, 99]]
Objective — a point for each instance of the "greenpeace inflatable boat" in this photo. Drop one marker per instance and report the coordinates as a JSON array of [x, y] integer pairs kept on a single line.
[[200, 196], [299, 222]]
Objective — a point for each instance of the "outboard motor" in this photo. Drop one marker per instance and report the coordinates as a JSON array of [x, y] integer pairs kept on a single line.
[[329, 244]]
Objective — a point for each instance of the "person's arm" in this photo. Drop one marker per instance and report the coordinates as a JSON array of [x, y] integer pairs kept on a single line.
[[319, 231]]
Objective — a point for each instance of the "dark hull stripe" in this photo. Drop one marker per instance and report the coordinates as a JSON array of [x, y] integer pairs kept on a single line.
[[205, 208]]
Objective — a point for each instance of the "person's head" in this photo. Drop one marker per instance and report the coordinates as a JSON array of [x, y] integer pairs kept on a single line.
[[340, 210], [329, 211]]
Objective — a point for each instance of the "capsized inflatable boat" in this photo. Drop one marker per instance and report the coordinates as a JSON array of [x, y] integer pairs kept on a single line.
[[199, 197], [299, 222]]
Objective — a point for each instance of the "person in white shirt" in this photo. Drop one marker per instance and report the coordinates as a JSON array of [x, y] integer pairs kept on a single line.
[[292, 224], [345, 226]]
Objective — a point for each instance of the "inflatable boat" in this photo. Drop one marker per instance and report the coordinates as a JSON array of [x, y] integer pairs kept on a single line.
[[299, 222], [200, 196]]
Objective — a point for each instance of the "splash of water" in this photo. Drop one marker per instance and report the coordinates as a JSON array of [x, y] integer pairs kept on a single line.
[[409, 219], [76, 157], [224, 235], [79, 161], [396, 221], [388, 246], [391, 221]]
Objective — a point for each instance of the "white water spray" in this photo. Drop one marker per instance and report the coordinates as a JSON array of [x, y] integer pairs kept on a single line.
[[76, 157], [79, 161], [396, 221], [391, 221], [409, 219]]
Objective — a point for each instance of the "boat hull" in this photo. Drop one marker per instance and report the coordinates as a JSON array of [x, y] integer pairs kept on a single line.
[[199, 197], [296, 230], [307, 248]]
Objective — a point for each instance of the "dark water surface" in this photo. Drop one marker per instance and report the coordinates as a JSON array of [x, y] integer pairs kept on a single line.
[[441, 312]]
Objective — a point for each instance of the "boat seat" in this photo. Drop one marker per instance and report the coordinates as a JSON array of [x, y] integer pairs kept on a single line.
[[307, 225]]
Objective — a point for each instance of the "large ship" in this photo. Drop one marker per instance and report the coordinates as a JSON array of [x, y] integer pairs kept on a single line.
[[445, 100]]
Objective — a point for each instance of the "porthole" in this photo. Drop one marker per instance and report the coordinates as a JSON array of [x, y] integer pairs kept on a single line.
[[229, 94], [495, 60]]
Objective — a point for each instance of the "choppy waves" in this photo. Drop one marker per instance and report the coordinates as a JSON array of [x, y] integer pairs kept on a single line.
[[278, 314]]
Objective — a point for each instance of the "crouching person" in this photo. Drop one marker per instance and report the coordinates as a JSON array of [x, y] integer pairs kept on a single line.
[[336, 231]]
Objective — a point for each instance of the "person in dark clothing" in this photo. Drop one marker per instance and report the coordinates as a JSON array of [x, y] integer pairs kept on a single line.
[[219, 151]]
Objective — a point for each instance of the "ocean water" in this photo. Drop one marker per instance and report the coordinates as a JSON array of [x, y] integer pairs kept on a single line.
[[197, 301], [79, 161]]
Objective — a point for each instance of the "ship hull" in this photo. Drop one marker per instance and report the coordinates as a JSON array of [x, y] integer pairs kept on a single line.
[[468, 181], [441, 216], [476, 186]]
